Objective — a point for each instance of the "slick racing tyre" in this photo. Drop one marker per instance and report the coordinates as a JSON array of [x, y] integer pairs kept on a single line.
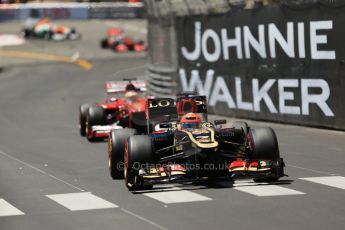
[[83, 109], [265, 144], [242, 125], [138, 152], [116, 151], [265, 147], [48, 35], [26, 33], [95, 116], [74, 35], [104, 43]]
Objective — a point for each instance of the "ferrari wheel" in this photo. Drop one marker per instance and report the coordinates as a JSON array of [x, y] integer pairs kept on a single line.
[[138, 152], [116, 150], [83, 109], [95, 116]]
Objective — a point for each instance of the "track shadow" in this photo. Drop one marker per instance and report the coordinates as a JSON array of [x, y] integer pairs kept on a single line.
[[200, 185], [97, 140]]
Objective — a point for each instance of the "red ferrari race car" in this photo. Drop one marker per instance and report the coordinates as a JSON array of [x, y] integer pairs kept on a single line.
[[191, 149], [118, 41], [124, 107]]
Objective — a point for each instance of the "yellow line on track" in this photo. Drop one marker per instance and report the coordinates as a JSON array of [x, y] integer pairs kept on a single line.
[[47, 57]]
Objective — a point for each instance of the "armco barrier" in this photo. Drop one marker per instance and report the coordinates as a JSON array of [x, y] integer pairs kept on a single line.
[[283, 63], [115, 10]]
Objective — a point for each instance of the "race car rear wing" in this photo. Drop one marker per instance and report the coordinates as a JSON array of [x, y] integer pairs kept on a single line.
[[160, 110], [120, 86], [188, 103]]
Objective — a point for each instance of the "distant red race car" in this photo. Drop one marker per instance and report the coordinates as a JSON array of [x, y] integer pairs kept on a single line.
[[124, 106], [118, 41]]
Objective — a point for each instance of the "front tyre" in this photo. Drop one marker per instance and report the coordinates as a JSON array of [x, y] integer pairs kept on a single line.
[[264, 146], [116, 151], [83, 109], [138, 152], [95, 116]]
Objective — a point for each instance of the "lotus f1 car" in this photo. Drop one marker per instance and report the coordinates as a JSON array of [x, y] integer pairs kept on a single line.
[[163, 111], [192, 148], [118, 41], [125, 106], [46, 30]]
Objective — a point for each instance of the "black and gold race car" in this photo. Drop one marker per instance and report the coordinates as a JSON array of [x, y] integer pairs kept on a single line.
[[188, 148]]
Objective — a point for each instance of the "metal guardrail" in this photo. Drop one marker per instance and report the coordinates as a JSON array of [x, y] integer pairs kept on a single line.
[[162, 81]]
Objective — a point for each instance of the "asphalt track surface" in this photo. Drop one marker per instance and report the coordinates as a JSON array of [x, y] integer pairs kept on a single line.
[[87, 47], [43, 158]]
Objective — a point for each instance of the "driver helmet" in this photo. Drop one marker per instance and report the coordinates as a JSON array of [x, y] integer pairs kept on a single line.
[[131, 96], [191, 120], [43, 21]]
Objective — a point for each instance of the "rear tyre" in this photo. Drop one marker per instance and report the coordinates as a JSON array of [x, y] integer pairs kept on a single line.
[[138, 152], [265, 147], [48, 35], [74, 35], [95, 116], [26, 33], [116, 151], [83, 109], [242, 125]]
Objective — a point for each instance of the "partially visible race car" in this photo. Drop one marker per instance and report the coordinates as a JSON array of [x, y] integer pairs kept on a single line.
[[192, 148], [118, 41], [45, 29], [124, 106]]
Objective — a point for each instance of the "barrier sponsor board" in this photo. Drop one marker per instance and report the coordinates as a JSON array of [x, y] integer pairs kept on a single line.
[[8, 12], [270, 63], [79, 11]]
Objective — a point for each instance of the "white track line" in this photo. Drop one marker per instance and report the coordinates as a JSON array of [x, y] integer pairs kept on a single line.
[[332, 181], [10, 40], [40, 171], [268, 190], [81, 190], [179, 196], [143, 219], [6, 209], [81, 201]]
